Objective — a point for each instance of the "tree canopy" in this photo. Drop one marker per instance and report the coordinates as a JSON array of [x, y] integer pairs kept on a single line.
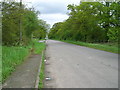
[[89, 22], [18, 19]]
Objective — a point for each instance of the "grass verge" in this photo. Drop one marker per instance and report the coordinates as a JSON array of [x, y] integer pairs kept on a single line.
[[39, 49], [15, 55], [42, 74], [38, 46], [0, 65], [11, 57], [105, 47]]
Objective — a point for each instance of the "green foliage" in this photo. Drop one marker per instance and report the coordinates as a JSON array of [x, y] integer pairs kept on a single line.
[[10, 21], [39, 49], [113, 34], [89, 22], [20, 19], [38, 46], [106, 47], [11, 57], [42, 30], [42, 73], [15, 55]]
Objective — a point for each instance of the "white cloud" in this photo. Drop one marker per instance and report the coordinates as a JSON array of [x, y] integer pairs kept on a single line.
[[54, 1], [50, 8], [53, 18], [52, 11]]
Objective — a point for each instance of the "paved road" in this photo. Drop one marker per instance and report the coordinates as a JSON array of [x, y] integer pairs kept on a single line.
[[73, 66]]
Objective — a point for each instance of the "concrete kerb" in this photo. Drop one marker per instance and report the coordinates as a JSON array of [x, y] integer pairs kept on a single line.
[[38, 74]]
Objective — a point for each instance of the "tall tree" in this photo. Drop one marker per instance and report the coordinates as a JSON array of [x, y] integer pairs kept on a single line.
[[89, 22]]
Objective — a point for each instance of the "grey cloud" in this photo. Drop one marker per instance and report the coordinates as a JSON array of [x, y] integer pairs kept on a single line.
[[51, 8]]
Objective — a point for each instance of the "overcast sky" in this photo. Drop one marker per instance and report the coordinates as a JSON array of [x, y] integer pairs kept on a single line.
[[52, 11]]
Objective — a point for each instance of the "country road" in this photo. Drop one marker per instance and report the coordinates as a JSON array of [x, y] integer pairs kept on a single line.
[[73, 66]]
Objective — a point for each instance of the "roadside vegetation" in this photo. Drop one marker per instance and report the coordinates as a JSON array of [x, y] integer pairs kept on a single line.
[[11, 57], [14, 56], [20, 24], [105, 46], [42, 73], [38, 46], [90, 22], [39, 49], [21, 30]]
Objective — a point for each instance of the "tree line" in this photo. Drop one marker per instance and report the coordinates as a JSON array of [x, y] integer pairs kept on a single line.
[[89, 22], [20, 24]]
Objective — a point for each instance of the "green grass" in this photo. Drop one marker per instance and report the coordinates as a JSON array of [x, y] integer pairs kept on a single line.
[[42, 74], [110, 47], [15, 55], [0, 64], [11, 57], [38, 47]]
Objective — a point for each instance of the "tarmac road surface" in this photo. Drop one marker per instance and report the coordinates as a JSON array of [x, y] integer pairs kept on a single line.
[[73, 66]]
